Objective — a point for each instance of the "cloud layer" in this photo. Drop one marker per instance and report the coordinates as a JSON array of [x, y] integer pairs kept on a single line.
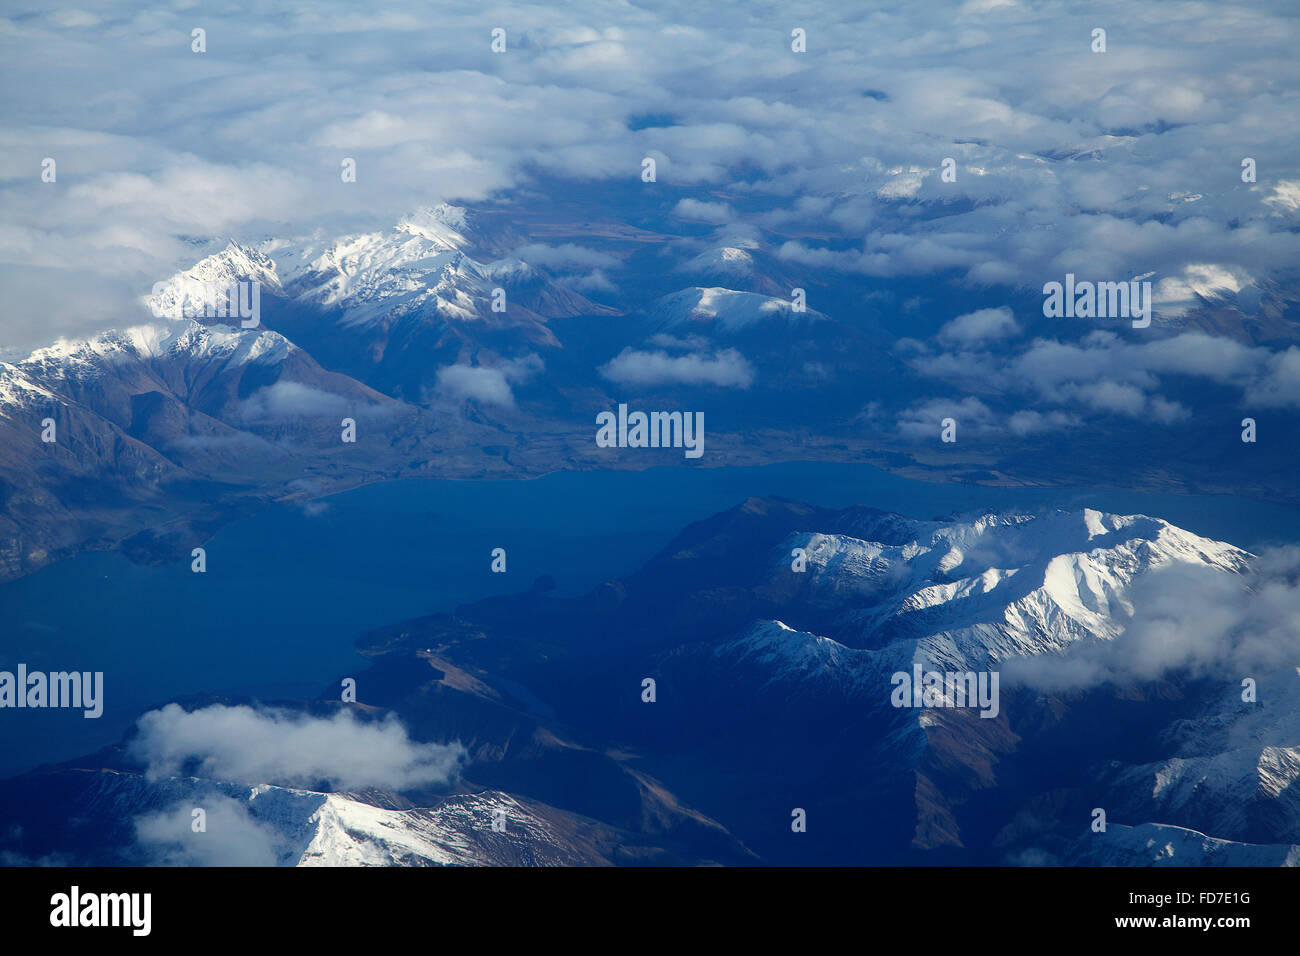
[[1105, 164]]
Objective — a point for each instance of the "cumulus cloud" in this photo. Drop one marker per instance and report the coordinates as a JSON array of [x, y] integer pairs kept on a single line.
[[1106, 374], [979, 326], [727, 368], [1278, 383], [282, 747], [488, 385], [923, 421], [485, 385], [1190, 620], [1118, 398]]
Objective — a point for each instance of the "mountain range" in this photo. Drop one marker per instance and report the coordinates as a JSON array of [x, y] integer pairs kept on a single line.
[[462, 345], [774, 693]]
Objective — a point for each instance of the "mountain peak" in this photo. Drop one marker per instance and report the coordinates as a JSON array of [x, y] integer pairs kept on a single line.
[[444, 224], [724, 309]]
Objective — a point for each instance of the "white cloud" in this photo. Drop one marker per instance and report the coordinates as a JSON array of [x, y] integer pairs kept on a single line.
[[1056, 170], [1279, 384], [979, 326], [924, 421], [1110, 375], [1176, 295], [485, 385], [566, 255], [1285, 196], [489, 385], [727, 368], [695, 210], [231, 836], [244, 745], [292, 400]]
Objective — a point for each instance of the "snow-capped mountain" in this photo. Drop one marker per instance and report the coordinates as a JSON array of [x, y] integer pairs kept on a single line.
[[732, 262], [390, 307], [419, 269], [973, 593], [185, 295], [345, 328], [199, 352], [1158, 844], [723, 311], [456, 832], [775, 631], [779, 335], [167, 385], [1230, 770], [148, 413], [773, 635], [883, 595], [148, 821]]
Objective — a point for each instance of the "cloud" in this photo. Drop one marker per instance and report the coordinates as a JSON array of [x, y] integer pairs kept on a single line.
[[1278, 384], [292, 400], [231, 836], [1191, 620], [1030, 421], [289, 749], [453, 121], [925, 420], [1124, 163], [727, 368], [695, 210], [979, 326], [1106, 374], [1178, 295], [1114, 398], [565, 256], [1285, 197], [595, 281], [488, 385]]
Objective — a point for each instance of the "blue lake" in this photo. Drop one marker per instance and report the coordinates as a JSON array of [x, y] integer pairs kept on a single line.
[[287, 591]]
